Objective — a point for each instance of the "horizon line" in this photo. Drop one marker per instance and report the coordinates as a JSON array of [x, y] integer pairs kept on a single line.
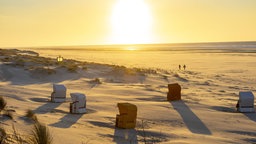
[[127, 44]]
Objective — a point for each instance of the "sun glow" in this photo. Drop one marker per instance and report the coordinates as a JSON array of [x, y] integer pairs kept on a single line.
[[131, 49], [131, 22]]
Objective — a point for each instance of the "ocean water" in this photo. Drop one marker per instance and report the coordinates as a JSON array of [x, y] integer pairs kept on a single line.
[[240, 56]]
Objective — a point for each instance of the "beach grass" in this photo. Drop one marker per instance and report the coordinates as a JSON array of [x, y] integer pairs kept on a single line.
[[3, 103], [30, 114], [41, 134]]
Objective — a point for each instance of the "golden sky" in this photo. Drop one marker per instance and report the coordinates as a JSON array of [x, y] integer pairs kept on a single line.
[[86, 22]]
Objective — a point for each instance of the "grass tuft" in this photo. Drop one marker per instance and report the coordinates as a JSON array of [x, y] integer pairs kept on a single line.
[[3, 103], [16, 137], [30, 114], [41, 134], [3, 135], [72, 68], [96, 81]]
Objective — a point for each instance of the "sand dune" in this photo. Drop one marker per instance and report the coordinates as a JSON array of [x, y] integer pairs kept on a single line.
[[206, 114]]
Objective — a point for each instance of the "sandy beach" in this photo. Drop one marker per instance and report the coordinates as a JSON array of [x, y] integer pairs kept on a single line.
[[206, 114]]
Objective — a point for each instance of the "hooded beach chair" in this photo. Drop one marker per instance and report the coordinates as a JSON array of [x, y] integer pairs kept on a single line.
[[174, 92], [78, 104], [127, 117], [245, 102], [59, 93]]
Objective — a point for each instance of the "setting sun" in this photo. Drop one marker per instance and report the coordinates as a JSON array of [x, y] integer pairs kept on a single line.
[[131, 22], [100, 22]]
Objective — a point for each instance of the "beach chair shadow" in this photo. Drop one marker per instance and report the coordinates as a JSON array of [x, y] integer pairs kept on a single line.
[[252, 135], [48, 107], [67, 121], [101, 124], [192, 121], [125, 136], [251, 116]]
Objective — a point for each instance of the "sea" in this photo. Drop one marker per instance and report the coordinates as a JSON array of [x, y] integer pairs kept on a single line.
[[196, 56]]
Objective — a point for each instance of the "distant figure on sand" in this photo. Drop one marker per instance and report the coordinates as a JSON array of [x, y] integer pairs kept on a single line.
[[179, 67], [184, 66]]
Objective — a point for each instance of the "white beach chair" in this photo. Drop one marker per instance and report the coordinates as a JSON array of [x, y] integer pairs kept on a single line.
[[78, 104], [245, 102], [59, 93]]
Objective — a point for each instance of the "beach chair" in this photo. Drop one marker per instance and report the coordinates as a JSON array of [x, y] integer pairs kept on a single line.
[[245, 102], [59, 93], [174, 92], [78, 104], [127, 117]]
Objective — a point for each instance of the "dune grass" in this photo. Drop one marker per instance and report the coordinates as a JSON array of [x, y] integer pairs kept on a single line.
[[11, 138], [43, 70], [148, 137], [3, 135], [3, 103], [96, 81], [30, 114], [71, 67], [16, 137], [40, 134]]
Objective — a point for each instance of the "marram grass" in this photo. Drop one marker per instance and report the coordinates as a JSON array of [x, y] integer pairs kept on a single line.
[[40, 134]]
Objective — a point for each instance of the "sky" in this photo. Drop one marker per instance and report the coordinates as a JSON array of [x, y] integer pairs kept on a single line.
[[25, 23]]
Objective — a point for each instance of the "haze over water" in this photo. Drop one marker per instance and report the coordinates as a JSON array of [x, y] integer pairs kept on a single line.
[[163, 56]]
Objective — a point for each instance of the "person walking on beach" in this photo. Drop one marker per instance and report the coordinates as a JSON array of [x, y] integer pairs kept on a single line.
[[184, 66], [179, 67]]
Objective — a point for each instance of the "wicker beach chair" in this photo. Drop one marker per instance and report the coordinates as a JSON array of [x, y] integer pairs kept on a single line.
[[174, 92], [245, 102], [59, 93], [127, 117], [78, 104]]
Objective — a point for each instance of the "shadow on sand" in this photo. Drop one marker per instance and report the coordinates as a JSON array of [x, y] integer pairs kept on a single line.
[[125, 136], [251, 136], [67, 121], [251, 116], [135, 136], [194, 124], [224, 109], [70, 119], [120, 136], [101, 124], [48, 107], [18, 75]]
